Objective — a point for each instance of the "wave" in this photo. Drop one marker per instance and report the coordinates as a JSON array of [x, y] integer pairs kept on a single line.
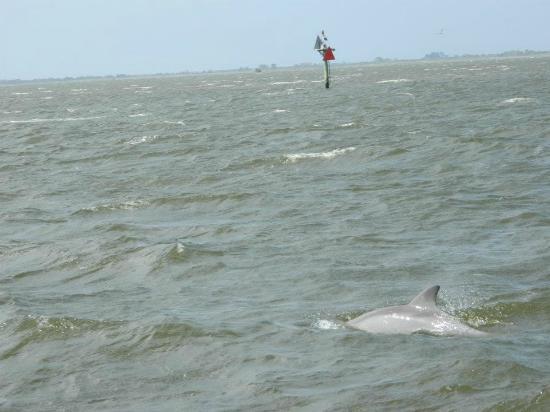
[[508, 309], [58, 119], [321, 155], [518, 100], [537, 400], [350, 124], [393, 81], [183, 253], [294, 82], [160, 337], [192, 198], [128, 205], [142, 139], [35, 329]]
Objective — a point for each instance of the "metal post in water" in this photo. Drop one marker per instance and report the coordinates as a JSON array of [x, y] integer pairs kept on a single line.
[[321, 45]]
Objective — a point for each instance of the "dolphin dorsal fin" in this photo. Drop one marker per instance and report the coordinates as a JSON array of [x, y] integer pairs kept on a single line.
[[426, 298]]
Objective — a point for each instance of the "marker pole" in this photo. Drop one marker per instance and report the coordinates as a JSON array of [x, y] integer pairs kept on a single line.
[[327, 75]]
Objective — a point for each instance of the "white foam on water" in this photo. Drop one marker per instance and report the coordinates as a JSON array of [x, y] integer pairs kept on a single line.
[[128, 205], [180, 247], [142, 139], [406, 94], [326, 324], [518, 100], [280, 111], [322, 155], [62, 119], [393, 81], [294, 82], [20, 93], [350, 124], [138, 115]]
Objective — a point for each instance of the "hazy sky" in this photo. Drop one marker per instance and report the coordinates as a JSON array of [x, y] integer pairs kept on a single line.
[[57, 38]]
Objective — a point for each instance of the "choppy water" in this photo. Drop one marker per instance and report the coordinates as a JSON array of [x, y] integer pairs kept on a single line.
[[196, 243]]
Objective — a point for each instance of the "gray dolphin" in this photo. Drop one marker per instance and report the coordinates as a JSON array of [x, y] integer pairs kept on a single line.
[[420, 315]]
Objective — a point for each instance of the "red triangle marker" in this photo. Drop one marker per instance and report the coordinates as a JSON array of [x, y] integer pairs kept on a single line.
[[329, 55]]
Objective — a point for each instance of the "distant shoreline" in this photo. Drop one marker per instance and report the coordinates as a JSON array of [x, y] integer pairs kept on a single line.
[[431, 57]]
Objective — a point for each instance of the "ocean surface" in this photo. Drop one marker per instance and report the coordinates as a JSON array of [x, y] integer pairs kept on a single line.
[[198, 242]]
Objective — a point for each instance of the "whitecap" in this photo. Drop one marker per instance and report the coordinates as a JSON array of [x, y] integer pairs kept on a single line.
[[180, 247], [294, 82], [322, 155], [62, 119], [350, 124], [128, 205], [326, 324], [280, 111], [142, 139], [393, 81], [518, 100], [406, 94], [20, 93], [138, 115]]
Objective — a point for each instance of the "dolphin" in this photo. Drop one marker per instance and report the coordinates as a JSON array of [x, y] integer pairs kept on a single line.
[[420, 315]]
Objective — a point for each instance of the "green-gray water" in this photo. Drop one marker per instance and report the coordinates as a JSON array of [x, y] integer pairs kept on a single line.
[[197, 242]]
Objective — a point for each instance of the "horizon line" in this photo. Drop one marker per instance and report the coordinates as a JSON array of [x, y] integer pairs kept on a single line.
[[433, 56]]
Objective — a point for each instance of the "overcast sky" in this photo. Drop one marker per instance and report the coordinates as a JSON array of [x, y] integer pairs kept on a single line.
[[58, 38]]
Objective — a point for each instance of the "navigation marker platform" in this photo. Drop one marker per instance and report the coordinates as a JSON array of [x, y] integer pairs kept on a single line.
[[321, 45]]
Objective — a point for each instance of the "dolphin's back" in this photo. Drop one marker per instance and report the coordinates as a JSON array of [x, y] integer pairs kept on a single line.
[[394, 319], [421, 314]]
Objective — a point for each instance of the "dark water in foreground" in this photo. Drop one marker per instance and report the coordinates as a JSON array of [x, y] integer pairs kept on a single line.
[[196, 243]]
